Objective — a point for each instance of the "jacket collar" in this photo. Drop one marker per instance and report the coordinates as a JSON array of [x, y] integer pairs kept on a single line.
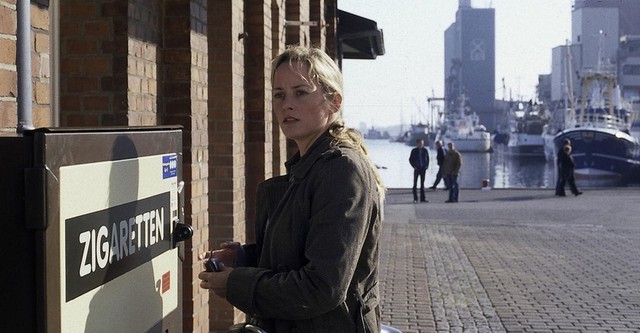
[[298, 166]]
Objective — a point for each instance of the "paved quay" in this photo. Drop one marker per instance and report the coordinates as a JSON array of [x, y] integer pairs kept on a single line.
[[512, 260]]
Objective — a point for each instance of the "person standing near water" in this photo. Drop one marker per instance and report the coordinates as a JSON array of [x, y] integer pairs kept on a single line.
[[419, 160], [452, 165]]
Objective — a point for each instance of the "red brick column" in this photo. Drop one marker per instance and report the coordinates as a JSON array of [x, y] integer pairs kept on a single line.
[[40, 64], [259, 117], [109, 62], [316, 14], [8, 72], [184, 85], [90, 38], [279, 142], [297, 11], [226, 142], [330, 27], [143, 57]]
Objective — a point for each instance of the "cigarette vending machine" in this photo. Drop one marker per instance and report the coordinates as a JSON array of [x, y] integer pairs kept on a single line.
[[92, 224]]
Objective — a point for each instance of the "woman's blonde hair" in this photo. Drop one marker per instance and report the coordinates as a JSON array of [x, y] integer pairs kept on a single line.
[[324, 72]]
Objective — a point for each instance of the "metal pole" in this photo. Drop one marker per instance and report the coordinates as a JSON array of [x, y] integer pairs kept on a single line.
[[25, 121]]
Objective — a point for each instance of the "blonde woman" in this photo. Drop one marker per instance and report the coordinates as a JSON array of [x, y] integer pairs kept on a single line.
[[314, 267]]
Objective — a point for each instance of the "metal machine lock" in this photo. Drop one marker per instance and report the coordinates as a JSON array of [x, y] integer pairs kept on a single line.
[[182, 232]]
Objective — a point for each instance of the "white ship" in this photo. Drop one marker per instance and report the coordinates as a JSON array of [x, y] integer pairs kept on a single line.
[[463, 128]]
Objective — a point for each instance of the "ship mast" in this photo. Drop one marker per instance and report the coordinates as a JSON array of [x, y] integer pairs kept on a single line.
[[569, 93]]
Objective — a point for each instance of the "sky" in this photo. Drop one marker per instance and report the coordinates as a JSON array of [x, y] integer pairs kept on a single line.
[[393, 88]]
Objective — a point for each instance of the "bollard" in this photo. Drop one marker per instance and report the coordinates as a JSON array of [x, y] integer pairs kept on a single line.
[[485, 184]]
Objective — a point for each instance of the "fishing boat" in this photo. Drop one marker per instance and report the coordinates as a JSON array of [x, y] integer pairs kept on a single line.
[[599, 129], [549, 132], [376, 134], [525, 137], [417, 131], [463, 128]]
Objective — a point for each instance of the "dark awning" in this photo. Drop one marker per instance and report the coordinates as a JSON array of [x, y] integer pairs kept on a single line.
[[359, 37]]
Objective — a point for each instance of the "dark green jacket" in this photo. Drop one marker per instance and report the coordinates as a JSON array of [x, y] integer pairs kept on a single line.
[[452, 163], [317, 233]]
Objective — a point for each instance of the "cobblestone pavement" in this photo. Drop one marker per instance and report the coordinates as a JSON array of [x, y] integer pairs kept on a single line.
[[512, 261]]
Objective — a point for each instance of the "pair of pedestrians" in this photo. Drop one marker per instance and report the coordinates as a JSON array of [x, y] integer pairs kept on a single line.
[[566, 165], [449, 164]]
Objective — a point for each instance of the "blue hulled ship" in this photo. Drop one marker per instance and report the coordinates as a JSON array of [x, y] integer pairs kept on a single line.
[[599, 130]]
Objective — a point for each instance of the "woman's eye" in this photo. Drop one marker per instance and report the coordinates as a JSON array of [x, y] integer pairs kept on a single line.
[[278, 95], [301, 93]]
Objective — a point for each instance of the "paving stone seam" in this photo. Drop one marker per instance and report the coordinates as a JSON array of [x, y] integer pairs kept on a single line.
[[405, 300], [458, 299]]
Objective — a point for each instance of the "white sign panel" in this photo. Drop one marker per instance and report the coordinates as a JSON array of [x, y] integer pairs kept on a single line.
[[118, 268]]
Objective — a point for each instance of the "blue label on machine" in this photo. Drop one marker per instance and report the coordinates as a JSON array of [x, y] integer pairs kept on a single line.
[[169, 166]]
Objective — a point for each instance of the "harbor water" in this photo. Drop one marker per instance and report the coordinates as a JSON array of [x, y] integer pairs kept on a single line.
[[502, 170]]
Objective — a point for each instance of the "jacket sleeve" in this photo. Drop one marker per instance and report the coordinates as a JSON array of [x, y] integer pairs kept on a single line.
[[426, 154], [412, 158], [458, 163], [341, 208]]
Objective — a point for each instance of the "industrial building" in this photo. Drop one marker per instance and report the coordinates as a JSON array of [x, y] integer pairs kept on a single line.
[[469, 61]]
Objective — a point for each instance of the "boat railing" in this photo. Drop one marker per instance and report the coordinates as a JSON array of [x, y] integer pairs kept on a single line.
[[606, 72], [599, 120]]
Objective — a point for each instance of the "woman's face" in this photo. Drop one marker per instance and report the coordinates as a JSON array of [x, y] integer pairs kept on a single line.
[[300, 106]]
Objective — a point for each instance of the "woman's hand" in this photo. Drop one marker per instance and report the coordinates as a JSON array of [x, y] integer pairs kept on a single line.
[[226, 254], [216, 281]]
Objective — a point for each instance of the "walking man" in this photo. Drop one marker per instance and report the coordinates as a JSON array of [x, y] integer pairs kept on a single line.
[[566, 166], [560, 157], [419, 160], [452, 164], [440, 158]]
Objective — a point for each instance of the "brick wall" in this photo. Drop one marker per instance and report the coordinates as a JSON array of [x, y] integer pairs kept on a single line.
[[109, 62], [258, 113], [87, 47], [279, 145], [316, 14], [8, 70], [40, 68], [184, 85], [201, 64], [298, 10], [143, 53], [41, 65], [331, 34], [227, 180]]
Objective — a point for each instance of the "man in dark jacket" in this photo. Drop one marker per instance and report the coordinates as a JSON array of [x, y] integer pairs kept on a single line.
[[566, 166], [566, 142], [419, 160]]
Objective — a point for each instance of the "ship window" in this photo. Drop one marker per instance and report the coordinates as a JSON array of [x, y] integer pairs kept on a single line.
[[631, 69]]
